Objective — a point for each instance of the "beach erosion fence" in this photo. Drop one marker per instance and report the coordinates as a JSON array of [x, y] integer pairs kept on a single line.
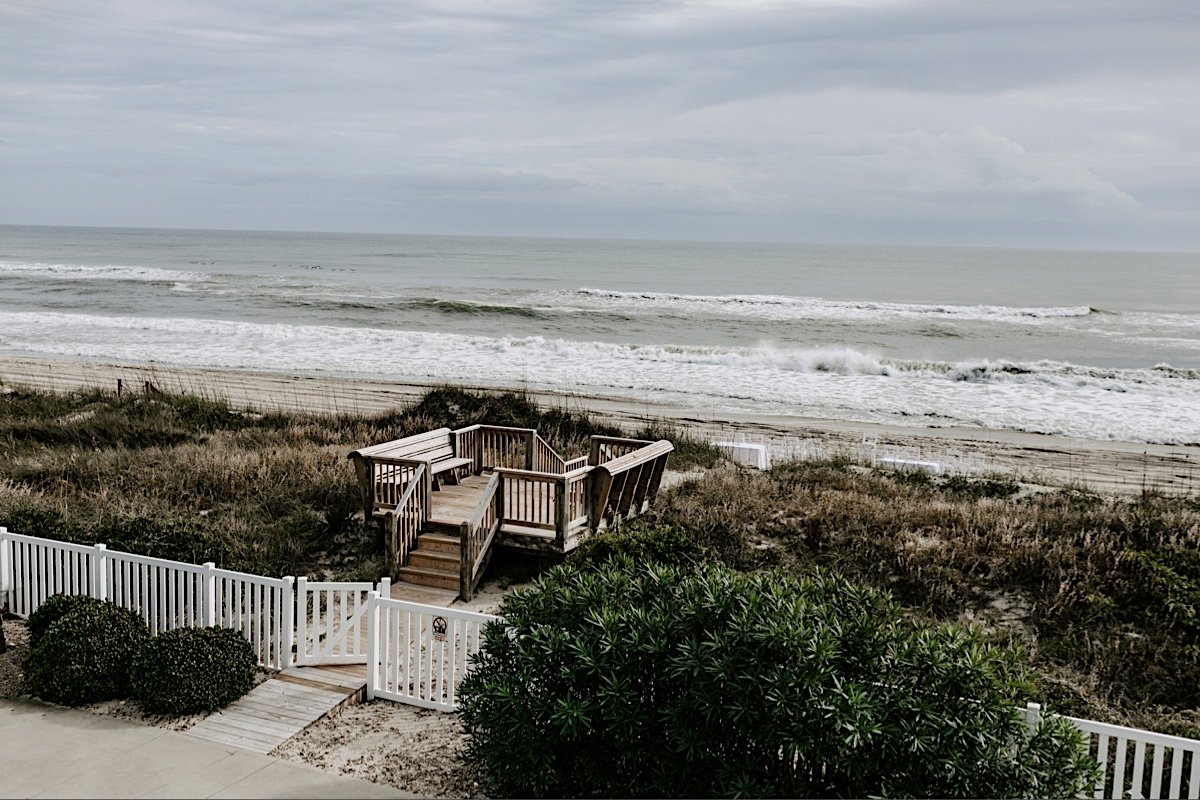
[[414, 653]]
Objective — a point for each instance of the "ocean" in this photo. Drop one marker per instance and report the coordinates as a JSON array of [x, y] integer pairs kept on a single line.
[[1095, 345]]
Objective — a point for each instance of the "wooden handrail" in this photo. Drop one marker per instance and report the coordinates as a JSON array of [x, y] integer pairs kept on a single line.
[[546, 476], [475, 536]]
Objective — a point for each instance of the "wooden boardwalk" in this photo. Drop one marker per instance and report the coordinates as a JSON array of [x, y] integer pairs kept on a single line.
[[453, 504], [283, 706]]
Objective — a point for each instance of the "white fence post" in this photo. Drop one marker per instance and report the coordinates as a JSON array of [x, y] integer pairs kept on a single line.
[[209, 613], [100, 572], [372, 643], [301, 616], [6, 581], [385, 587], [1033, 716], [288, 623]]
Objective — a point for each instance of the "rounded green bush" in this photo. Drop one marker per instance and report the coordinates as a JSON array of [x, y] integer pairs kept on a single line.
[[188, 670], [84, 656], [52, 609], [626, 680], [658, 545]]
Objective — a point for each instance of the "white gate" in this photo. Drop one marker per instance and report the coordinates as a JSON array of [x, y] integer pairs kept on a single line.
[[331, 621], [418, 654]]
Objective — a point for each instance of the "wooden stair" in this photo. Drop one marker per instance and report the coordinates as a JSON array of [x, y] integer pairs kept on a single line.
[[433, 562]]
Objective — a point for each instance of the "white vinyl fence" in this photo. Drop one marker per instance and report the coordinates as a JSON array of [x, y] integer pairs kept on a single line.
[[1137, 763], [418, 654], [414, 654]]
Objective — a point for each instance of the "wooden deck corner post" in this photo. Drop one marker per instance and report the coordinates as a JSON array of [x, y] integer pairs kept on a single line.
[[563, 507], [530, 441], [594, 452], [466, 565]]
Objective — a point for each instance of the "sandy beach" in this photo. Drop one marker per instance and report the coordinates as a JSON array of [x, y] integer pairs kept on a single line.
[[1093, 464]]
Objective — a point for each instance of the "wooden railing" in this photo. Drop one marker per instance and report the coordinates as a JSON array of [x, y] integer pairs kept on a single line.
[[610, 448], [625, 486], [389, 479], [475, 537], [406, 521], [530, 498], [545, 459]]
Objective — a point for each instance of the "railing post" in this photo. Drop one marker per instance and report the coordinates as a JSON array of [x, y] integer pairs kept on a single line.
[[372, 644], [288, 621], [301, 620], [100, 572], [563, 501], [208, 616], [466, 560], [385, 587], [1033, 716], [530, 440]]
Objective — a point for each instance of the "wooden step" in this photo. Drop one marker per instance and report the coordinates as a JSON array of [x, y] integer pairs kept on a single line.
[[436, 560], [444, 527], [428, 577], [438, 543]]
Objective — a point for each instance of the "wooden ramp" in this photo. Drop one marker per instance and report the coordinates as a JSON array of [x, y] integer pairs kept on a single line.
[[283, 706]]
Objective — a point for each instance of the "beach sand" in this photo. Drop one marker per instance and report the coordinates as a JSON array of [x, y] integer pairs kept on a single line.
[[1104, 466]]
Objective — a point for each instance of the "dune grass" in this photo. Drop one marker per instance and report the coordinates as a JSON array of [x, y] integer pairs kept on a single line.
[[1103, 593]]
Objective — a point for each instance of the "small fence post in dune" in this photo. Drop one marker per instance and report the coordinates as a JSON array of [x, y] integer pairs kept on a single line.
[[1033, 716], [100, 572], [372, 644], [6, 579], [301, 617], [289, 652], [209, 613]]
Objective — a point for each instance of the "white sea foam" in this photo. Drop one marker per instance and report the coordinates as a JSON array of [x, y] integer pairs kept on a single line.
[[1156, 405], [99, 272], [781, 307]]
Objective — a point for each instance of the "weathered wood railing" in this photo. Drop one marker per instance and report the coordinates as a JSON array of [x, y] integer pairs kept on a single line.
[[625, 486], [389, 479], [405, 522], [545, 459], [609, 448], [476, 535]]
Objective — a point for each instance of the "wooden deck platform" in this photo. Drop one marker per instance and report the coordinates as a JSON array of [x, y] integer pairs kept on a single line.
[[453, 504]]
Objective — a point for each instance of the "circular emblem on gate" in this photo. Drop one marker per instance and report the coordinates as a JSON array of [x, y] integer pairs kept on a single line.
[[439, 628]]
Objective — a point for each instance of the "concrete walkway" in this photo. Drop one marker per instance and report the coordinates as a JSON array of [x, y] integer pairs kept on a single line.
[[49, 751]]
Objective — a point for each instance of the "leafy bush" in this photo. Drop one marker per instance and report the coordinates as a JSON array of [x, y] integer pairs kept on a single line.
[[659, 545], [85, 655], [188, 670], [53, 609], [656, 680]]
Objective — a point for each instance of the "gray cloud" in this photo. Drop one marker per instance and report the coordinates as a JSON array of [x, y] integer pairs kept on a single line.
[[1018, 123]]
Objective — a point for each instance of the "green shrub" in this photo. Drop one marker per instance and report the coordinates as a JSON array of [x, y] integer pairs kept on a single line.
[[85, 655], [188, 670], [670, 681], [659, 545], [53, 609]]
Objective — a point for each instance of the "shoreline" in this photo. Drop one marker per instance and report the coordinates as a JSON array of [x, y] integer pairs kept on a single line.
[[1101, 465]]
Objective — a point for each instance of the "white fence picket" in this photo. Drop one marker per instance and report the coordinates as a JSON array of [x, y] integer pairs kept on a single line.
[[331, 619]]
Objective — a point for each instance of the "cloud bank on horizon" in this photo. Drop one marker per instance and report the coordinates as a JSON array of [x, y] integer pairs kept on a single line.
[[1061, 123]]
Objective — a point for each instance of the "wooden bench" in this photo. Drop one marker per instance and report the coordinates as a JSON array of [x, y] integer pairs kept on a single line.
[[434, 449]]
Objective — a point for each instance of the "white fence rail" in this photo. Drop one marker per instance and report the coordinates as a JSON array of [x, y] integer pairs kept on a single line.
[[1136, 763], [331, 621], [419, 654]]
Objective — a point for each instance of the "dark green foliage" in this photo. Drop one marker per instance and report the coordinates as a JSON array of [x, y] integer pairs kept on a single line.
[[654, 680], [977, 488], [53, 609], [641, 544], [85, 655], [189, 670]]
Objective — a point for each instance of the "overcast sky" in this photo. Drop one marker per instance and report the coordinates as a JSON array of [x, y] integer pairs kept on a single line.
[[1013, 123]]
